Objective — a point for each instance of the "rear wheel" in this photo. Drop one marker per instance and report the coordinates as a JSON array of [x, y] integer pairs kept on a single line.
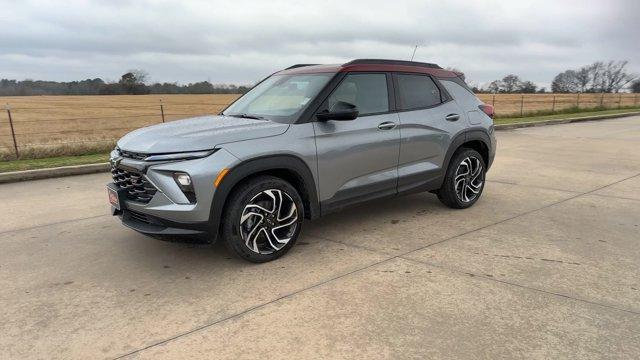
[[464, 180], [263, 219]]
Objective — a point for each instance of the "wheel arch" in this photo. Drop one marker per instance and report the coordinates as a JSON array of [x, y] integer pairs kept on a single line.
[[287, 167], [476, 139]]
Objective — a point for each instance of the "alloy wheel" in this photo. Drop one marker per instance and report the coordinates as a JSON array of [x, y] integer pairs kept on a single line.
[[469, 179], [268, 221]]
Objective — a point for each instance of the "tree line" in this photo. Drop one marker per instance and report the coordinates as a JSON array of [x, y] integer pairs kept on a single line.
[[599, 77], [134, 82]]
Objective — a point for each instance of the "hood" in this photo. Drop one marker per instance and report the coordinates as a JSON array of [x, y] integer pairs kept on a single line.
[[200, 133]]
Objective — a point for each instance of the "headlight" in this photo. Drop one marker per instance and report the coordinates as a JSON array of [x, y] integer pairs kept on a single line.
[[180, 156], [114, 153]]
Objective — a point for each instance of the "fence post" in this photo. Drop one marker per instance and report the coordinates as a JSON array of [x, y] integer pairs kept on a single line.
[[619, 100], [13, 133], [635, 100], [522, 105], [162, 110], [578, 101], [493, 102], [553, 107], [602, 100]]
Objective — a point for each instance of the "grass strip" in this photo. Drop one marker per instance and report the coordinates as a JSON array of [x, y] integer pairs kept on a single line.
[[31, 164], [534, 118]]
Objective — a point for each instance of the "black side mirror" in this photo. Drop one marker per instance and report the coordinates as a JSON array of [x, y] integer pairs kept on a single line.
[[340, 111]]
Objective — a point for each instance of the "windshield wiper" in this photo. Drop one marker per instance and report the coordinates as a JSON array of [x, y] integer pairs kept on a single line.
[[248, 116]]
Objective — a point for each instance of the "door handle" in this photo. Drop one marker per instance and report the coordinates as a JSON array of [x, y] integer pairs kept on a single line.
[[452, 117], [387, 125]]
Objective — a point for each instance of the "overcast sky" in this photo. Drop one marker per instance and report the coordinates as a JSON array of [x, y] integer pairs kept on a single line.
[[237, 41]]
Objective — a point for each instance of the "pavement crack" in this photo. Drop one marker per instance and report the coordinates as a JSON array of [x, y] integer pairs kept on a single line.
[[615, 197], [493, 278], [50, 224], [533, 186], [516, 257], [253, 308], [522, 214]]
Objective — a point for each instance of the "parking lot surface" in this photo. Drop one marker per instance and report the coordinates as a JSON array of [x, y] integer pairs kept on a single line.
[[545, 265]]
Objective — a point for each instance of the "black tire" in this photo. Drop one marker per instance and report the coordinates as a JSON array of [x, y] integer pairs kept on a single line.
[[233, 231], [448, 194]]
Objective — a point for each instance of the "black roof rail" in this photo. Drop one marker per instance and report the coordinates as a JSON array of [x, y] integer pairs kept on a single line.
[[299, 65], [392, 62]]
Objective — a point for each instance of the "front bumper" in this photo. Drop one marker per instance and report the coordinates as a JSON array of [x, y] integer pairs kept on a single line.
[[169, 212], [152, 225]]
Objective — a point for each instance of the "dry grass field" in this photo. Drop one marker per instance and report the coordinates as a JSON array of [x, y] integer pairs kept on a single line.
[[510, 104], [68, 125], [58, 125]]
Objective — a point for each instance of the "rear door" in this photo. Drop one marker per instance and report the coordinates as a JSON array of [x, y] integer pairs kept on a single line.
[[429, 119], [358, 159]]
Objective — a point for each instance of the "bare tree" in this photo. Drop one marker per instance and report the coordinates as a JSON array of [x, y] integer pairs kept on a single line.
[[615, 76], [565, 82], [597, 82], [133, 82], [141, 76], [583, 78], [527, 87], [597, 77], [510, 83], [494, 86]]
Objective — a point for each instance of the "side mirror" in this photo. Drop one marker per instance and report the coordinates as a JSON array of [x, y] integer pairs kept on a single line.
[[340, 111]]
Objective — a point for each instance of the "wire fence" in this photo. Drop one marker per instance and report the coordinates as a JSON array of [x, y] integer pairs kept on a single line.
[[71, 125], [524, 104]]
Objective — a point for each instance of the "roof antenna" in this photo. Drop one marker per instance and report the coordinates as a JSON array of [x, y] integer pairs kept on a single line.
[[414, 52]]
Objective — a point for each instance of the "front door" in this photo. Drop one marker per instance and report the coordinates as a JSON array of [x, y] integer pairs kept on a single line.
[[358, 159]]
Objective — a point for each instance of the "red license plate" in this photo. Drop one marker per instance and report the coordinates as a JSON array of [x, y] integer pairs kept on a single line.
[[113, 198]]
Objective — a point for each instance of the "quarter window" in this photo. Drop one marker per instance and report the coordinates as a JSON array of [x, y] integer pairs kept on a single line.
[[368, 92], [417, 91]]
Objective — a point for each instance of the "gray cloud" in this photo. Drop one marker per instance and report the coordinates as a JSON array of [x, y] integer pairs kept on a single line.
[[242, 41]]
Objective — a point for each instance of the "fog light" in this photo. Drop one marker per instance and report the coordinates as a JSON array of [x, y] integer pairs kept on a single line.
[[184, 182], [183, 179]]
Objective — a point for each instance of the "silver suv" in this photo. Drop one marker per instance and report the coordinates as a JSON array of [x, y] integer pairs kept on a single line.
[[305, 141]]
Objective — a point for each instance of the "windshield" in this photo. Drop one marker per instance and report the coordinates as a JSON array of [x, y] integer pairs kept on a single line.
[[280, 98]]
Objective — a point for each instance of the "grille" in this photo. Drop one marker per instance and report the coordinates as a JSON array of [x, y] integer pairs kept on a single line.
[[133, 155], [140, 217], [138, 188]]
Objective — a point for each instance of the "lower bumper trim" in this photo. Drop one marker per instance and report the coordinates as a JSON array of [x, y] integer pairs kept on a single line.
[[152, 225]]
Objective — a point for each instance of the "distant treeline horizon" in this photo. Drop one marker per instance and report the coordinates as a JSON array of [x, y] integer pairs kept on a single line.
[[599, 77], [133, 82]]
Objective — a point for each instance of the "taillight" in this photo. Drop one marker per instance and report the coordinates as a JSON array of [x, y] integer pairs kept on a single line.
[[487, 109]]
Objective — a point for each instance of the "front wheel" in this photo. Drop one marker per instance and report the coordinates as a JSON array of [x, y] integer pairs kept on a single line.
[[464, 180], [263, 219]]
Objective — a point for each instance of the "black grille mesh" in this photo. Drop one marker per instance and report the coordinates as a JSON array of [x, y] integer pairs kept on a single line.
[[133, 155], [138, 189]]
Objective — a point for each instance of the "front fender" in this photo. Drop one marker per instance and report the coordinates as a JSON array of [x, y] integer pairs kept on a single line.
[[264, 164]]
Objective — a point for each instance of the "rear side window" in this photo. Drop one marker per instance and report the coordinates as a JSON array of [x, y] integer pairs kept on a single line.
[[417, 91], [368, 92]]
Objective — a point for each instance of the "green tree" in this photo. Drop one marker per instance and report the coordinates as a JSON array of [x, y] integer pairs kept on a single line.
[[527, 87], [133, 82]]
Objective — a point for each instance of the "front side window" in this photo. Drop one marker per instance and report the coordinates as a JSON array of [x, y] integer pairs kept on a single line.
[[368, 92], [417, 91], [279, 98]]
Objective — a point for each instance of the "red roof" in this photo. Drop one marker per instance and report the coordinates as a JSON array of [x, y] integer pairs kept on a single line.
[[369, 67]]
